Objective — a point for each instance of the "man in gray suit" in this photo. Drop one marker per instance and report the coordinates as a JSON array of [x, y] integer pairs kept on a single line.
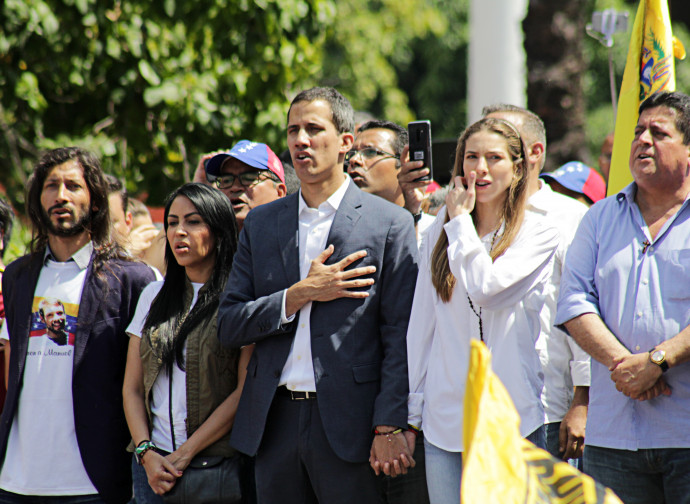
[[322, 282]]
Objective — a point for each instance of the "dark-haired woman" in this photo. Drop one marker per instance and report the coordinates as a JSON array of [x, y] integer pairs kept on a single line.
[[482, 275], [181, 386]]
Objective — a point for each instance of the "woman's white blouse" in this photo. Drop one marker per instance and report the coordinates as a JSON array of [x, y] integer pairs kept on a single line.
[[510, 292]]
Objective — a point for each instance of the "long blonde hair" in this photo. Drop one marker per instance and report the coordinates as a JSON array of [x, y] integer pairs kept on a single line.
[[513, 207]]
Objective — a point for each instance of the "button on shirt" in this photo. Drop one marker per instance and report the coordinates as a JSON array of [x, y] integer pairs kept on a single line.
[[314, 225], [642, 293]]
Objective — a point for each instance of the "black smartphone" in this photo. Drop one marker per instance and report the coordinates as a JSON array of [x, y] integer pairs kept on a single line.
[[420, 145]]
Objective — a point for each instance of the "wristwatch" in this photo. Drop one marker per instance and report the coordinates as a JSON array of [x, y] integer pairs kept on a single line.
[[658, 357], [141, 449]]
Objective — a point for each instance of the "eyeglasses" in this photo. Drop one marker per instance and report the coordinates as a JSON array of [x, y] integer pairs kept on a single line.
[[368, 153], [247, 179]]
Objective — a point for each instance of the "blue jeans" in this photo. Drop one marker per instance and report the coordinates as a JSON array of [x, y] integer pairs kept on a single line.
[[552, 431], [143, 493], [538, 437], [12, 498], [653, 476], [444, 469], [409, 488], [443, 474]]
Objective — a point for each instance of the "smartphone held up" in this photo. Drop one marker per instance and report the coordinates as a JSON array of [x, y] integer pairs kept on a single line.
[[420, 145]]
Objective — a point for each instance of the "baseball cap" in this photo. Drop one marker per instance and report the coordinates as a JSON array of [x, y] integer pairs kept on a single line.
[[255, 154], [580, 178]]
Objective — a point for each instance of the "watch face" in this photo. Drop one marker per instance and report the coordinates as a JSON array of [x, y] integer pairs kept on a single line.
[[658, 356]]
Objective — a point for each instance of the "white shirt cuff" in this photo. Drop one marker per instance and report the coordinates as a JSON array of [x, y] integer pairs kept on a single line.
[[283, 319], [414, 410]]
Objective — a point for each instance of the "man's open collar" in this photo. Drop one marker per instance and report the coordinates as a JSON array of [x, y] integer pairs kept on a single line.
[[82, 256]]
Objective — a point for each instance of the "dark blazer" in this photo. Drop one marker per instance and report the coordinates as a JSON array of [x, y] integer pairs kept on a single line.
[[359, 351], [100, 354]]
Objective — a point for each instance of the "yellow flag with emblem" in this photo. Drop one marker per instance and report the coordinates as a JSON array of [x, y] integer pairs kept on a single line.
[[650, 68], [498, 464]]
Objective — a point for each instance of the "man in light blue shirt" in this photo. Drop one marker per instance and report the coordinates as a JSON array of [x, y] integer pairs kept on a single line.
[[625, 298]]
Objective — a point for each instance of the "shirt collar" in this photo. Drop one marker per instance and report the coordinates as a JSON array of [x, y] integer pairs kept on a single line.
[[82, 256], [539, 201], [629, 192], [333, 200]]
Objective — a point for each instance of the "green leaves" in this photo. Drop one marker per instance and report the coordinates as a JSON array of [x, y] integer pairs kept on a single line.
[[150, 86]]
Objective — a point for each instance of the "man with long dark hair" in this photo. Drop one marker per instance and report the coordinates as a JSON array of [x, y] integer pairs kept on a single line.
[[63, 431]]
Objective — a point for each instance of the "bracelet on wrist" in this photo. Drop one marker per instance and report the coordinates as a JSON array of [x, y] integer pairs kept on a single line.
[[389, 433], [416, 217], [414, 430], [141, 450]]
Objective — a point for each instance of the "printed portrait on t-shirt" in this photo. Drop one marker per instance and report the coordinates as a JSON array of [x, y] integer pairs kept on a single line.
[[52, 318]]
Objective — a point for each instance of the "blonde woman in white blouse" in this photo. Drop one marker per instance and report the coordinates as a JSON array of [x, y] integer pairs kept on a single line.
[[482, 270]]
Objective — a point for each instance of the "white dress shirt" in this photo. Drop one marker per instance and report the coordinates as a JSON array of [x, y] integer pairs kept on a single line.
[[314, 225], [510, 292], [565, 364]]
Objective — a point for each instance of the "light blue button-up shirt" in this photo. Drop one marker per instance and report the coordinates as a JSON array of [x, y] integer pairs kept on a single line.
[[640, 287]]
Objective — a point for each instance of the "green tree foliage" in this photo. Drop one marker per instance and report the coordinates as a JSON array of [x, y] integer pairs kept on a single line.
[[373, 45], [149, 86]]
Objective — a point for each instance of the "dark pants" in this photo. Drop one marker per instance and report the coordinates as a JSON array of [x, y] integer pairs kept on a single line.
[[654, 476], [552, 433], [538, 437], [12, 498], [296, 464], [143, 493], [409, 488]]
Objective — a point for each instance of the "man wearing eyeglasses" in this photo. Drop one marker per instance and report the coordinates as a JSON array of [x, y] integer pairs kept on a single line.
[[374, 163], [249, 174]]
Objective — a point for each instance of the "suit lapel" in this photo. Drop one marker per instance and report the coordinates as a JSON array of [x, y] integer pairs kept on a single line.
[[91, 298], [25, 299], [287, 238], [344, 222]]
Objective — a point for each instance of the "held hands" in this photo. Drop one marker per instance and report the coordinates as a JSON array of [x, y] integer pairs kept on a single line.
[[413, 191], [460, 200], [160, 471], [638, 378], [391, 454]]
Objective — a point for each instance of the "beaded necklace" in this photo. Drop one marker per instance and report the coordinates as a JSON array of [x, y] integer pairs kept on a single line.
[[479, 314]]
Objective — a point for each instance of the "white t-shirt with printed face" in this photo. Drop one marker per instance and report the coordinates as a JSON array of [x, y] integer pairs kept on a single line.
[[42, 456], [160, 400]]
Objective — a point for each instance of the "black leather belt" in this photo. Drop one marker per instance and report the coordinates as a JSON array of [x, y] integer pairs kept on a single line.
[[295, 395]]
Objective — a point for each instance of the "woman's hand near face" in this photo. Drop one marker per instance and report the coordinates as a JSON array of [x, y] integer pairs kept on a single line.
[[460, 200]]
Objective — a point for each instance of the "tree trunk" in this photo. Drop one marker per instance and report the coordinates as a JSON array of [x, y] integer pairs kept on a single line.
[[554, 33]]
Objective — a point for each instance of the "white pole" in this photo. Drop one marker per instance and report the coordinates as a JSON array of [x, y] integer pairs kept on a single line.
[[496, 55]]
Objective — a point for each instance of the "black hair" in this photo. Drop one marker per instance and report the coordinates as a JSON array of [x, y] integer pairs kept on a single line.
[[343, 116], [98, 224], [401, 135], [115, 185], [292, 182], [167, 309], [6, 223], [680, 102]]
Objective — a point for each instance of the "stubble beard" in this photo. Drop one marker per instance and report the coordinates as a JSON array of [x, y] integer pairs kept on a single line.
[[68, 230]]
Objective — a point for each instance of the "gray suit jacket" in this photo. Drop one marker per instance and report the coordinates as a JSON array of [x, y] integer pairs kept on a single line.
[[359, 352]]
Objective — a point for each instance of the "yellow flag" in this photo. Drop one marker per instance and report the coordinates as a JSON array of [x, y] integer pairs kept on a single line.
[[649, 69], [498, 464]]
